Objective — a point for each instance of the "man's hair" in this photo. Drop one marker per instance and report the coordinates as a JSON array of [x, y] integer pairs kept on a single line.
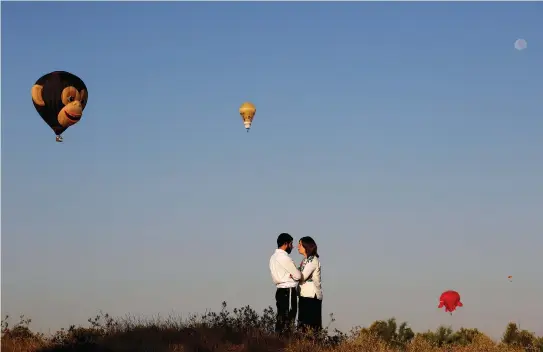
[[310, 246], [284, 238]]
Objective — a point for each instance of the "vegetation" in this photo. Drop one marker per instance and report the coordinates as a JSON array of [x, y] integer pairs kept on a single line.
[[244, 329]]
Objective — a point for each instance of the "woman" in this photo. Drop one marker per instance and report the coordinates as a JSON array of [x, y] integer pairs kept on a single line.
[[310, 302]]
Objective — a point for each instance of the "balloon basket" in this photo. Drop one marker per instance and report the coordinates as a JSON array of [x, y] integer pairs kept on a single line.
[[59, 139]]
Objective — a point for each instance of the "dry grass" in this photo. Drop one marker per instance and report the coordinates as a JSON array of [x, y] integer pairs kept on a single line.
[[246, 331], [369, 343]]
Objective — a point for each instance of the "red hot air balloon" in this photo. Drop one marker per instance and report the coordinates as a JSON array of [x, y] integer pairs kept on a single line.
[[450, 300]]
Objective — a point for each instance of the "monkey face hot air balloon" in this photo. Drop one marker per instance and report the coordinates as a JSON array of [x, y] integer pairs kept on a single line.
[[60, 98], [247, 111], [450, 300]]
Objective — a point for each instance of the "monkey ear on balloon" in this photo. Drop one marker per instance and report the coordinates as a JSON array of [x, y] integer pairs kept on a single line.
[[37, 95], [84, 96]]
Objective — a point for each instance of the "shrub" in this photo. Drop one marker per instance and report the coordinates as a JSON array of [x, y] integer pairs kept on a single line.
[[244, 329]]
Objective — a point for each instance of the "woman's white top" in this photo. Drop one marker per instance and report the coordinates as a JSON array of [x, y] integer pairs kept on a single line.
[[310, 284]]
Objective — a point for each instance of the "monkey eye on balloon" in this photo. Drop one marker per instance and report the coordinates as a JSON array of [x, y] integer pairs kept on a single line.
[[60, 98]]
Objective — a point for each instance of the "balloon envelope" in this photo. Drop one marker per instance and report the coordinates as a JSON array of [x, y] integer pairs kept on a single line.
[[521, 44], [59, 98], [450, 300], [247, 111]]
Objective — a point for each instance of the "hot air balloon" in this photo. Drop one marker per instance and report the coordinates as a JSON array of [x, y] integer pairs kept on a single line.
[[247, 111], [510, 278], [60, 98], [521, 44], [450, 300]]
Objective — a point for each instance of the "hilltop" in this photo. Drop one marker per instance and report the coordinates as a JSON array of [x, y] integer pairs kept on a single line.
[[244, 329]]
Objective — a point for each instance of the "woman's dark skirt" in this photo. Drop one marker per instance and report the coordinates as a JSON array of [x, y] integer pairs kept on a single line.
[[310, 313]]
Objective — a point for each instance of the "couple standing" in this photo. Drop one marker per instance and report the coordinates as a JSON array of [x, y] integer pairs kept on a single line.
[[303, 282]]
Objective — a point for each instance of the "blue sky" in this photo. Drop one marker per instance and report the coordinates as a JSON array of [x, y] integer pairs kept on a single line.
[[406, 138]]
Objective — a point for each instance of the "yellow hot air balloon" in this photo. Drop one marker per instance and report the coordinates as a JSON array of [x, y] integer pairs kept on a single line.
[[247, 111]]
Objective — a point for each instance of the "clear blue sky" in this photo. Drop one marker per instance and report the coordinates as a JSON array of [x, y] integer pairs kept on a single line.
[[406, 138]]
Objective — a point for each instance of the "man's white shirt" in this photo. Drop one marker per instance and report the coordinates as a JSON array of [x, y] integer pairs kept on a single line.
[[281, 267]]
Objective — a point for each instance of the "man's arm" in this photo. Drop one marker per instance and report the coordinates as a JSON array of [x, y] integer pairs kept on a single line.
[[272, 270], [289, 266]]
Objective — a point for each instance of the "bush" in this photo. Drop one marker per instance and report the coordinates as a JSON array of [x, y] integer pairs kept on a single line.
[[244, 329]]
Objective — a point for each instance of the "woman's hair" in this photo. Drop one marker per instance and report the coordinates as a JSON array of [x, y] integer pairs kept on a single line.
[[310, 246]]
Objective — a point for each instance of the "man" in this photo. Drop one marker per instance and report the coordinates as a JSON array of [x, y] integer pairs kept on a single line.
[[285, 276]]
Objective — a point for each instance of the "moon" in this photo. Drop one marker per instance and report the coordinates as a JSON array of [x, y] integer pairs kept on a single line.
[[521, 44]]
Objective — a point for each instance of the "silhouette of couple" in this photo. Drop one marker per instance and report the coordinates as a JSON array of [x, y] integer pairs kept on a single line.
[[298, 288]]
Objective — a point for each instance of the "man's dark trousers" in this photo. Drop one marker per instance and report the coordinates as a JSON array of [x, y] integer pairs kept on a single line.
[[287, 307]]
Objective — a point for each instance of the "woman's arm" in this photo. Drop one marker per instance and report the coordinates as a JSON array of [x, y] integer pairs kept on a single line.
[[308, 270]]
